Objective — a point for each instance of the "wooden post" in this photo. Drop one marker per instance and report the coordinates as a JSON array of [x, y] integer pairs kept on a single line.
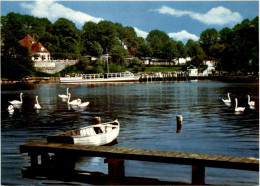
[[198, 175], [45, 159], [116, 167], [34, 159], [179, 123], [97, 120]]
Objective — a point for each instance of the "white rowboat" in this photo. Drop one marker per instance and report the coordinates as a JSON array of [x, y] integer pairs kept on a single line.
[[99, 134]]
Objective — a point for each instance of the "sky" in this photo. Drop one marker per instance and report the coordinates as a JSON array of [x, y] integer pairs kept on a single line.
[[181, 20]]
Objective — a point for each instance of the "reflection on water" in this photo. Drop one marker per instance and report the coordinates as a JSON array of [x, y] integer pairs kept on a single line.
[[147, 114]]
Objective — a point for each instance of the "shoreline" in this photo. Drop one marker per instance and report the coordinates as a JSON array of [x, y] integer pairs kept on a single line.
[[228, 79]]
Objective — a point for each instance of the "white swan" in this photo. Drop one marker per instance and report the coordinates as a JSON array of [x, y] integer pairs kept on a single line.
[[227, 100], [250, 103], [64, 96], [84, 104], [10, 109], [239, 109], [15, 102], [37, 105], [74, 102]]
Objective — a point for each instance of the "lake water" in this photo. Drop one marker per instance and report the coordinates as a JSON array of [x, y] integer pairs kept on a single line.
[[147, 114]]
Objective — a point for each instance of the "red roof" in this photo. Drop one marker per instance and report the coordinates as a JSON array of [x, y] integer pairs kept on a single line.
[[30, 42], [37, 47]]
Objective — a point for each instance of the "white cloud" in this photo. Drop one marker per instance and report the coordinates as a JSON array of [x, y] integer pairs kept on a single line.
[[219, 15], [140, 33], [183, 35], [53, 11]]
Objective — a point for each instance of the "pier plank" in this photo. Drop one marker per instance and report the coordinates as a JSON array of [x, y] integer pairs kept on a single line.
[[206, 160]]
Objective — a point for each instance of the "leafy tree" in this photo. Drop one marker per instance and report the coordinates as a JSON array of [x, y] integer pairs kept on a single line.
[[169, 50], [15, 59], [68, 36], [194, 49], [181, 50], [118, 55], [245, 45], [107, 35], [143, 49], [156, 40], [12, 26], [129, 37], [208, 38], [222, 51]]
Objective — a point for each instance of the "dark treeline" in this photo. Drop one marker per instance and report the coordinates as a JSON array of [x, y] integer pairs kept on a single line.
[[235, 50]]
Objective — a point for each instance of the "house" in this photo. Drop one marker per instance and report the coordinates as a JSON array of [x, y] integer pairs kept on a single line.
[[210, 70], [192, 71], [38, 51]]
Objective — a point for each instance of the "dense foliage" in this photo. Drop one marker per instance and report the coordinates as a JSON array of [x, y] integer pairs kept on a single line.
[[233, 49]]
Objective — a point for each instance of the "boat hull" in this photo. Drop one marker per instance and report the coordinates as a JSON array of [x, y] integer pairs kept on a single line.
[[71, 80], [95, 78], [95, 135]]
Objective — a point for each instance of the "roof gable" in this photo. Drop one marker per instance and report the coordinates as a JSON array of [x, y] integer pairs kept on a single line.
[[38, 47], [30, 43]]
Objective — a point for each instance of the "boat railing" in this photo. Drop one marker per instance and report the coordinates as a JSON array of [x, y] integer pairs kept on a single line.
[[93, 76]]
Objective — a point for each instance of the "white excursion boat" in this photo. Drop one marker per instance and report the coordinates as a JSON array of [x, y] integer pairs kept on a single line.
[[99, 134], [108, 77]]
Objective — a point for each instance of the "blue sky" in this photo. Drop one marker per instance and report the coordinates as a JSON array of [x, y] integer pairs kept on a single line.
[[181, 20]]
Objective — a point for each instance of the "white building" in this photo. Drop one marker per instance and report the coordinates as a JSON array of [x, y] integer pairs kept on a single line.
[[38, 51]]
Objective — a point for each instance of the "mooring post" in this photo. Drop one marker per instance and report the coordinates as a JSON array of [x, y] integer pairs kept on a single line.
[[97, 120], [179, 123], [116, 167], [198, 175]]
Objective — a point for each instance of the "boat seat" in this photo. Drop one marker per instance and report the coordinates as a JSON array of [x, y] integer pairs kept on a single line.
[[87, 132], [92, 132], [83, 133]]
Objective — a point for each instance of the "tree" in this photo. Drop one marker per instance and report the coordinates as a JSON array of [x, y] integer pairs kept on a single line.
[[222, 51], [89, 35], [68, 37], [156, 40], [194, 49], [118, 55], [143, 49], [15, 59], [169, 50], [107, 36], [208, 38], [245, 46], [182, 52]]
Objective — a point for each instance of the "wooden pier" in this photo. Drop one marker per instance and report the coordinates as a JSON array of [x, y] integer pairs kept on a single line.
[[65, 157]]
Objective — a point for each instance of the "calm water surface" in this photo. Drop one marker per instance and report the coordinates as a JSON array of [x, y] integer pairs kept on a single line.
[[147, 114]]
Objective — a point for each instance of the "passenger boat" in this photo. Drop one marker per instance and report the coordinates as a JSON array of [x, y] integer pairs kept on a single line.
[[108, 77], [99, 134]]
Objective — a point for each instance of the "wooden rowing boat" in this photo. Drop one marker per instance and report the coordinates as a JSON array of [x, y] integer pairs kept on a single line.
[[99, 134]]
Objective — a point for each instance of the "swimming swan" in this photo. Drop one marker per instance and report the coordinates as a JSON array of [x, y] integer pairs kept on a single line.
[[74, 102], [14, 102], [250, 103], [82, 104], [10, 109], [227, 100], [37, 105], [239, 109], [63, 96]]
